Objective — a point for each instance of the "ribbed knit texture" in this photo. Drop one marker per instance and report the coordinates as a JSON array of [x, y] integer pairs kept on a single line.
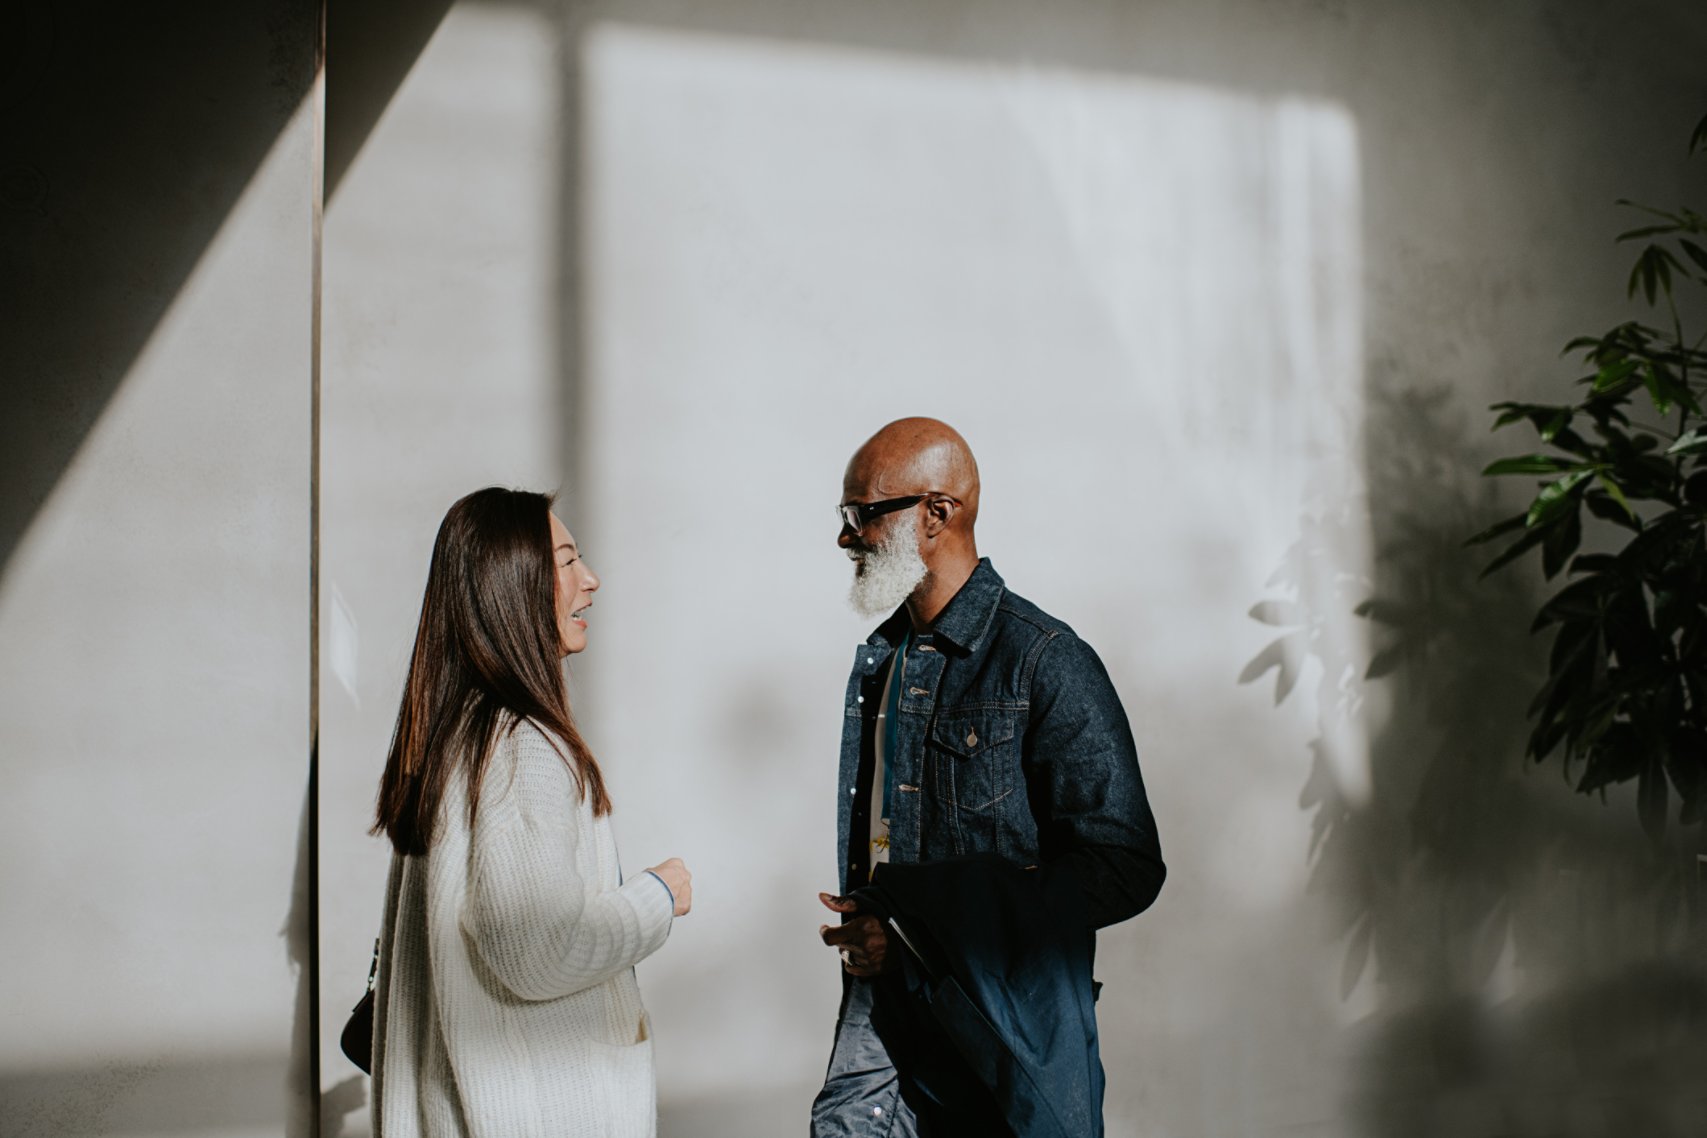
[[506, 1004]]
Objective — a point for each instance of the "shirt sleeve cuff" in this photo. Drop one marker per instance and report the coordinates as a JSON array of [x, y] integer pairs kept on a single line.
[[667, 890]]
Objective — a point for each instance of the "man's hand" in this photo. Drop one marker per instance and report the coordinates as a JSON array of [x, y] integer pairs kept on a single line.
[[863, 941]]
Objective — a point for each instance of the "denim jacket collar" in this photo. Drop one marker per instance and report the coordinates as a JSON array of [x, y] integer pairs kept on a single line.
[[965, 620]]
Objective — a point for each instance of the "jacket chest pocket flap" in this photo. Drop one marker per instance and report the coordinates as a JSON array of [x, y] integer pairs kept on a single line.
[[978, 747]]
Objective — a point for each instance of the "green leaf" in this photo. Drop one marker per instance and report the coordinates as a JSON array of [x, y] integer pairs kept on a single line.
[[1674, 386], [1698, 140], [1657, 391], [1555, 497], [1578, 601], [1569, 440], [1671, 217], [1616, 491], [1560, 543], [1617, 757], [1690, 442], [1653, 271], [1530, 464], [1696, 253], [1516, 549], [1603, 507], [1614, 373], [1672, 607], [1499, 529], [1593, 563], [1544, 739], [1537, 413], [1649, 552], [1588, 726], [1645, 231]]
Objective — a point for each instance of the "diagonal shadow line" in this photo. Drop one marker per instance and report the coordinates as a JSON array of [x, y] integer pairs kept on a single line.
[[132, 133]]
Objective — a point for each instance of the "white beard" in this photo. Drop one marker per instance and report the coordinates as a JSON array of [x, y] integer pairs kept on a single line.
[[889, 574]]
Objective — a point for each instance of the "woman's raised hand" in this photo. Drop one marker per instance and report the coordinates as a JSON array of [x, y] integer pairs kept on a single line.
[[674, 873]]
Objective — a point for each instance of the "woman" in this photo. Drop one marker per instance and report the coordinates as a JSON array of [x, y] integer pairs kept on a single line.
[[506, 1003]]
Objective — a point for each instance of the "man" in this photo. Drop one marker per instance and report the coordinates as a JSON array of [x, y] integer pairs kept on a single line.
[[991, 816]]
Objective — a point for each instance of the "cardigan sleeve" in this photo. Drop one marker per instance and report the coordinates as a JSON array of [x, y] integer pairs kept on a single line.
[[535, 915]]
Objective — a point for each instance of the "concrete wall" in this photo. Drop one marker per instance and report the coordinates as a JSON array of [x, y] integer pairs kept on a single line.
[[154, 570], [1218, 295]]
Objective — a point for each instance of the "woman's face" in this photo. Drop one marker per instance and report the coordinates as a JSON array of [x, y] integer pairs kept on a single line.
[[576, 585]]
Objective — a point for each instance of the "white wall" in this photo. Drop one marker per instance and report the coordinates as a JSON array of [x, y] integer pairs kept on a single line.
[[794, 245], [1218, 296], [154, 633]]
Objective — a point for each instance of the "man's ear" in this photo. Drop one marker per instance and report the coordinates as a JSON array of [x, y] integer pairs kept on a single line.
[[938, 513]]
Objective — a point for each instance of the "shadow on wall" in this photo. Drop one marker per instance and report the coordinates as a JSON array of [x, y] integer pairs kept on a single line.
[[130, 136], [231, 1094], [131, 133], [1526, 953]]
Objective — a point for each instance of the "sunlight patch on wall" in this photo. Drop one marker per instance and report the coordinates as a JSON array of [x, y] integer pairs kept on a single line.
[[1138, 300]]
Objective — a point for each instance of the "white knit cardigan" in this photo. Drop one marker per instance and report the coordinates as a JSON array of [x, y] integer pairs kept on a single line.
[[506, 1004]]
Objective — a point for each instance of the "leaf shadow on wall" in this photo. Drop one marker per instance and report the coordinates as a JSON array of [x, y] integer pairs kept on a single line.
[[1531, 959]]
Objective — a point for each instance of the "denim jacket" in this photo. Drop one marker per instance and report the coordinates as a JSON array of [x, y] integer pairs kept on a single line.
[[1010, 740]]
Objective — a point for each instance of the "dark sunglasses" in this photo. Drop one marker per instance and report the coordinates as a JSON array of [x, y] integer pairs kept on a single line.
[[856, 514]]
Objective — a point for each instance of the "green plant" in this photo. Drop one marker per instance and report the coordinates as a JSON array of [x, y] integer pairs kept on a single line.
[[1626, 691]]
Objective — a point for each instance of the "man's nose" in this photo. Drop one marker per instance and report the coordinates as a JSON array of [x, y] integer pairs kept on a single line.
[[847, 537]]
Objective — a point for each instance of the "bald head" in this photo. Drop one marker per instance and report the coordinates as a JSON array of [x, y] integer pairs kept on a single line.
[[919, 544], [915, 456]]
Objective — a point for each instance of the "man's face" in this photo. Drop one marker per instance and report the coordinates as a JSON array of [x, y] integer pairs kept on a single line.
[[865, 482], [888, 563]]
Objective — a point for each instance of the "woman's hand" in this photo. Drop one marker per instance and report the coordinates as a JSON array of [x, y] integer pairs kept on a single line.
[[674, 873]]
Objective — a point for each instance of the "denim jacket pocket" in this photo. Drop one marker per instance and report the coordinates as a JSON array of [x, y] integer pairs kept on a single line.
[[977, 749]]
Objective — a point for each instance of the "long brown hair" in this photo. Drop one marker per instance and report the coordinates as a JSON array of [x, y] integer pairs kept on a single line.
[[487, 655]]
